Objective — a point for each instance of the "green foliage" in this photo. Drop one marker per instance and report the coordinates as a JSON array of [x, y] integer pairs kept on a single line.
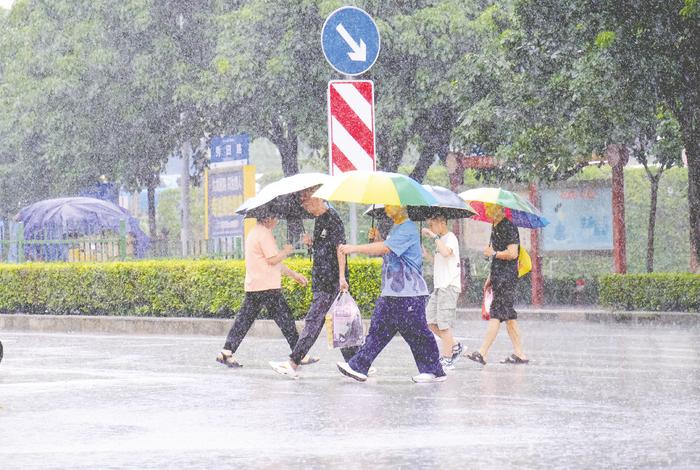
[[206, 288], [657, 292], [183, 288], [96, 88], [647, 54], [168, 215], [604, 39], [672, 245], [560, 290]]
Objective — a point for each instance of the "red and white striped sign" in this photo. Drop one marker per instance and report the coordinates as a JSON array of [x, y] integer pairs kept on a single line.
[[351, 125]]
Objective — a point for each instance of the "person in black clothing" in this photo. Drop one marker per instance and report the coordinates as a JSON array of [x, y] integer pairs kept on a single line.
[[503, 251], [329, 233]]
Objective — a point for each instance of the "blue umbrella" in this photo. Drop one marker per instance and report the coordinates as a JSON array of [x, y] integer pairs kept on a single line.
[[59, 218]]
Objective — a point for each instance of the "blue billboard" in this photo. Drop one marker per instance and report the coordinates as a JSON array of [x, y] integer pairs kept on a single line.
[[229, 148], [580, 219]]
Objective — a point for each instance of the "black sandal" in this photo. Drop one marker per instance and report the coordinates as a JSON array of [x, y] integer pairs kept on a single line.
[[477, 357], [513, 359], [309, 360], [228, 360]]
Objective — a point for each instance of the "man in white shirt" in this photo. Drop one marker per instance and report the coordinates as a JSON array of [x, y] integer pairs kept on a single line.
[[441, 310]]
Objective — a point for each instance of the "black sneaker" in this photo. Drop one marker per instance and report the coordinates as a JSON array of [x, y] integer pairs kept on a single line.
[[456, 352]]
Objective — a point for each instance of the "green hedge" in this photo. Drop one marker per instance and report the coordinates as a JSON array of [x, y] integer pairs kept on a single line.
[[656, 291], [214, 288], [557, 291], [182, 288]]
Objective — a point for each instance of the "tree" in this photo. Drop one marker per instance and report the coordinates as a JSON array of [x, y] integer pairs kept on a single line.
[[269, 76], [658, 144], [530, 114], [98, 88], [57, 101], [652, 43], [424, 77]]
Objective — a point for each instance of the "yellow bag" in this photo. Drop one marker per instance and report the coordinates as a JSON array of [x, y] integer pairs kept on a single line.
[[524, 262]]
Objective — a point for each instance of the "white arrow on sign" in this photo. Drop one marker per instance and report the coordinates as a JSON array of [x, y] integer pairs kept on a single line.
[[359, 52]]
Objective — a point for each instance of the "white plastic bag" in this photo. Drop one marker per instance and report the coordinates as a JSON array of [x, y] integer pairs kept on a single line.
[[344, 323], [486, 304]]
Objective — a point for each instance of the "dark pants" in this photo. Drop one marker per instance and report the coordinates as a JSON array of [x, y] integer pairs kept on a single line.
[[313, 324], [276, 307], [407, 316]]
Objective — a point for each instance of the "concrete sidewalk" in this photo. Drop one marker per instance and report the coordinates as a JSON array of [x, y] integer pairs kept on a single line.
[[268, 329]]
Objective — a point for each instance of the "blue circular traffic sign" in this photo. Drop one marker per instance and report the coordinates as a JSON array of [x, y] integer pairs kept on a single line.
[[350, 40]]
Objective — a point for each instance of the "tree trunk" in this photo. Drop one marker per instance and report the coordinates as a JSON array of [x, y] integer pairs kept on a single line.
[[185, 153], [439, 147], [151, 196], [389, 151], [435, 130], [691, 141], [425, 160], [285, 138], [654, 180]]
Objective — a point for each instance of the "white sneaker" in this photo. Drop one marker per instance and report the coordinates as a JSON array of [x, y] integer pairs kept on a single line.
[[447, 363], [425, 378], [371, 371], [345, 369], [284, 368]]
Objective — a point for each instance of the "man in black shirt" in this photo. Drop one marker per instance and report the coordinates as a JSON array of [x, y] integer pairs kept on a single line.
[[329, 232], [503, 250]]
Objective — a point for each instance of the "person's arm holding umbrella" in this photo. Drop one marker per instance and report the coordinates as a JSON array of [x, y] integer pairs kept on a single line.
[[442, 248], [370, 249]]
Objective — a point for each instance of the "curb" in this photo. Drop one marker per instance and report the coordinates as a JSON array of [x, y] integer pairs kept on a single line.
[[268, 329], [596, 315], [126, 325]]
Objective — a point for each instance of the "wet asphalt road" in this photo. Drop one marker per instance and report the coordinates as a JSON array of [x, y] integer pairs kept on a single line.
[[596, 395]]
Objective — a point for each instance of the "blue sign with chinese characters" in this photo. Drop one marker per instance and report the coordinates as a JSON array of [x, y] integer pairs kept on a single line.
[[229, 148], [350, 40]]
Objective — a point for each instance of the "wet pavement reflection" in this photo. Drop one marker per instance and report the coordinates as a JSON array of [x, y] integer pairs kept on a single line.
[[596, 395]]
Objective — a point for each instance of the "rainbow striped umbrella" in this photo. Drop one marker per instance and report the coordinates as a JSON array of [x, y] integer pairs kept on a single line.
[[518, 210], [375, 187], [449, 205]]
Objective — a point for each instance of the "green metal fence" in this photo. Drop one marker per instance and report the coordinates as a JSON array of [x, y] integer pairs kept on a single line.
[[15, 247]]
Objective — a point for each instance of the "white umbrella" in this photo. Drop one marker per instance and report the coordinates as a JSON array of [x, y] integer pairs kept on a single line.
[[278, 199]]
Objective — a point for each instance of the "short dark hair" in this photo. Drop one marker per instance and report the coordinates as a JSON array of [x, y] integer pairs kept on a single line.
[[438, 215]]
